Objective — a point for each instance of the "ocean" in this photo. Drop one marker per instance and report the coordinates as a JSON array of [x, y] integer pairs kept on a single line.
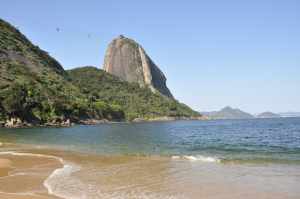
[[179, 159]]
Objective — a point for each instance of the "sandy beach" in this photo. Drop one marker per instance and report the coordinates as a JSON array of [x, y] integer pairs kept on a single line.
[[22, 175], [44, 173]]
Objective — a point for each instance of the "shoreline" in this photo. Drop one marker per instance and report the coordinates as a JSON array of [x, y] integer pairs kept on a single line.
[[89, 122], [17, 123], [59, 174]]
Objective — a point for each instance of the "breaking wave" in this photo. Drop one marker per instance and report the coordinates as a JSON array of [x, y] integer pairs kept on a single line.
[[200, 158], [60, 182], [63, 183]]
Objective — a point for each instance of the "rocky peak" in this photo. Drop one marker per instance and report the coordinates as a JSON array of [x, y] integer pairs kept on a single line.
[[127, 60]]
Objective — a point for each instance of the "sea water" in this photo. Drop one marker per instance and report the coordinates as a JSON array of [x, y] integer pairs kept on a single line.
[[258, 158], [275, 140]]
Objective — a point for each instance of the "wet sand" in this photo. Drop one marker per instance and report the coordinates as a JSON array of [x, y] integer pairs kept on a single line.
[[24, 174]]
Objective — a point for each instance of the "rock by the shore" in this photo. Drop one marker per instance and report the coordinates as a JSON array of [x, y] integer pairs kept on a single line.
[[93, 121], [14, 122], [59, 122]]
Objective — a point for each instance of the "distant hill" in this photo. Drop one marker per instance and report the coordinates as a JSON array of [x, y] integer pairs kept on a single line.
[[290, 114], [268, 115], [228, 113]]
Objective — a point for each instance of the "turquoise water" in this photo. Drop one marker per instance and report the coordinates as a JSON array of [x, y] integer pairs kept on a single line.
[[274, 140]]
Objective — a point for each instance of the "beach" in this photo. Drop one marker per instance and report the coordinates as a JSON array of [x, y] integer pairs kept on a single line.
[[149, 100], [41, 173], [174, 160]]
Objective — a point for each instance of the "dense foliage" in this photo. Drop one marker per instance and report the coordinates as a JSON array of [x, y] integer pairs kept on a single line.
[[136, 102], [35, 88]]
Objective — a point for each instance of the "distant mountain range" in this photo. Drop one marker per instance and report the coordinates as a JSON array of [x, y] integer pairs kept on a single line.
[[268, 114], [289, 114], [235, 113], [228, 113]]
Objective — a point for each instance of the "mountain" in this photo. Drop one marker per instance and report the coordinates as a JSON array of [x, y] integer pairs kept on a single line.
[[34, 87], [127, 60], [268, 115], [136, 102], [36, 90], [228, 113]]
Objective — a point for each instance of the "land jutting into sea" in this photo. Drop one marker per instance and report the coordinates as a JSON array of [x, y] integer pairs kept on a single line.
[[35, 90], [140, 142]]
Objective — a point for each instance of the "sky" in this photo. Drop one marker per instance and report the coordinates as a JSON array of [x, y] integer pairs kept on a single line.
[[214, 53]]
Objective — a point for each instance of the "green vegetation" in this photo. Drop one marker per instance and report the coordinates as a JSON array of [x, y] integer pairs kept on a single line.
[[136, 102], [35, 88]]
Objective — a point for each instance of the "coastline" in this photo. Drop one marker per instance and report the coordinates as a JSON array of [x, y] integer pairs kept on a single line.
[[42, 173], [17, 123], [152, 161]]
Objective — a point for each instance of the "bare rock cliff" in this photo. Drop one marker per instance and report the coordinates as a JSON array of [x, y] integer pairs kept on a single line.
[[127, 60]]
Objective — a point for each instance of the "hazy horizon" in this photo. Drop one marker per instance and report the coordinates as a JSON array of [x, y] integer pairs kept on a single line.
[[214, 54]]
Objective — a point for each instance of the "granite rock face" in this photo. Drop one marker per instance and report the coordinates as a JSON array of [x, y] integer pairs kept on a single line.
[[127, 60]]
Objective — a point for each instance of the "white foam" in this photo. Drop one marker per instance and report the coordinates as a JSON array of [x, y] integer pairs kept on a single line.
[[61, 183], [31, 154], [139, 194], [198, 158], [49, 183], [64, 184]]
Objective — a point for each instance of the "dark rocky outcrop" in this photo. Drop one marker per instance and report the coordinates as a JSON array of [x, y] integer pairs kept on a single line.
[[127, 60]]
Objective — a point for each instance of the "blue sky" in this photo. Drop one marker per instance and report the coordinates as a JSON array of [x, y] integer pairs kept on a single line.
[[214, 53]]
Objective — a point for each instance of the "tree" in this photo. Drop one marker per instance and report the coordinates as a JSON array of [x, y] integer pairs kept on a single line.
[[15, 99]]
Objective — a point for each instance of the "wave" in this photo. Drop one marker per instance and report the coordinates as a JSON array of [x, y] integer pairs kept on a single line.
[[200, 158], [59, 179], [31, 154], [63, 183]]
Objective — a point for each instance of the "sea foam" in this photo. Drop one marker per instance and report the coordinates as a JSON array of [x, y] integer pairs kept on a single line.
[[200, 158], [59, 182], [63, 183]]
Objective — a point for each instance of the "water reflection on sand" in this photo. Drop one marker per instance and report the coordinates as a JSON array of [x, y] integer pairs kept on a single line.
[[128, 176]]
